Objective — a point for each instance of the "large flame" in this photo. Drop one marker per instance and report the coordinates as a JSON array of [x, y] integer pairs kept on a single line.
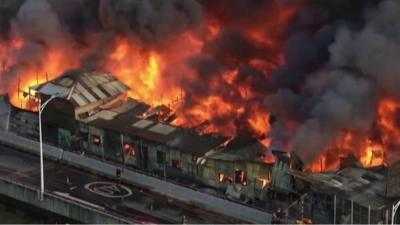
[[157, 75], [371, 149]]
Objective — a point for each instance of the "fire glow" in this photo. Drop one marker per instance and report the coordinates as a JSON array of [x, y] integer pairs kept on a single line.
[[195, 73]]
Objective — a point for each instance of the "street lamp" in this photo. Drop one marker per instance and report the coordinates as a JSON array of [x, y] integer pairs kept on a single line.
[[394, 210], [41, 108]]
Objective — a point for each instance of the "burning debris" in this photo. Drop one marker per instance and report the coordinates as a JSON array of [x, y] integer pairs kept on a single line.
[[316, 78]]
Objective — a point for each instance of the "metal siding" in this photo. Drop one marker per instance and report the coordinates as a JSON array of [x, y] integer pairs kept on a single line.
[[93, 80], [86, 81], [89, 96], [79, 100], [110, 89], [52, 89], [99, 93], [66, 82], [80, 88], [162, 129], [119, 86], [143, 123], [102, 79]]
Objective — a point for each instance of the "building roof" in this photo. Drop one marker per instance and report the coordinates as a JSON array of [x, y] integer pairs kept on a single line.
[[365, 187], [82, 88], [126, 117], [238, 150], [130, 123]]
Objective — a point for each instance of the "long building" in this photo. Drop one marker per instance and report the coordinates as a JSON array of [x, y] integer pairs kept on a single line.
[[93, 115]]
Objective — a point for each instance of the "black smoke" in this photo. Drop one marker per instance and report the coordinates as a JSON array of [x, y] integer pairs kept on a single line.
[[323, 70], [338, 66]]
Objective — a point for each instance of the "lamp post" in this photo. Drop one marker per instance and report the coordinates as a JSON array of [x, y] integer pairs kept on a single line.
[[394, 210], [41, 108]]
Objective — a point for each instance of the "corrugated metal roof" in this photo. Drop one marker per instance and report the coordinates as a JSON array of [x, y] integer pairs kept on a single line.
[[162, 128], [79, 100], [99, 93], [66, 82], [52, 89], [179, 138], [84, 87], [350, 183], [142, 123]]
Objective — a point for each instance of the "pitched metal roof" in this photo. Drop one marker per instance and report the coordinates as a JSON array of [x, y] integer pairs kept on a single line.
[[82, 88], [250, 151], [162, 133]]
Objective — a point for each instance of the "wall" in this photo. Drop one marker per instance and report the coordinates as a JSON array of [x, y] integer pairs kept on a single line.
[[209, 174], [56, 204], [5, 110], [96, 149], [29, 121]]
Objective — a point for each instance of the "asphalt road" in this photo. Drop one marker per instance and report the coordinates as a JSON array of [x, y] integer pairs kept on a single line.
[[125, 201]]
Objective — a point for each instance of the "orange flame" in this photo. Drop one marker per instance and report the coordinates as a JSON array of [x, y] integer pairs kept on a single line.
[[370, 152], [147, 71]]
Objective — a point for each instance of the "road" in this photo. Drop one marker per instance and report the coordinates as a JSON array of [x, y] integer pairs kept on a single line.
[[125, 201]]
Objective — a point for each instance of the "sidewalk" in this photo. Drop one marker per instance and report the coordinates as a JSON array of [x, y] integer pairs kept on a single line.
[[197, 198]]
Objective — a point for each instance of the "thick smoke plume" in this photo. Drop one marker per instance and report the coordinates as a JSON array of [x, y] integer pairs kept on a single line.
[[342, 93], [308, 75]]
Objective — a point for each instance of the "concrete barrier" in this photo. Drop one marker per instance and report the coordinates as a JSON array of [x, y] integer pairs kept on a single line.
[[90, 164], [31, 146], [197, 198], [58, 204]]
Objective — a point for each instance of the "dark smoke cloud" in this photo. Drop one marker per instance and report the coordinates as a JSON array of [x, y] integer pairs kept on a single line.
[[339, 56], [79, 17], [236, 13], [334, 75], [90, 27], [152, 21], [37, 22]]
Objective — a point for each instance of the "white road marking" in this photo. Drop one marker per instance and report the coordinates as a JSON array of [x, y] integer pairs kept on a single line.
[[67, 195], [109, 189]]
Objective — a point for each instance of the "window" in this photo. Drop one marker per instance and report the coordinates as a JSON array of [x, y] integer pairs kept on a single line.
[[240, 177], [160, 157], [130, 149], [176, 164], [223, 178], [96, 140], [261, 183]]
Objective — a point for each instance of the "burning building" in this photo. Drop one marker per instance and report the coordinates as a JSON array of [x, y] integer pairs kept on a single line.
[[92, 114], [310, 80]]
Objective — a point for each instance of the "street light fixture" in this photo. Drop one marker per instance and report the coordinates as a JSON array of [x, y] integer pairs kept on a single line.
[[394, 210], [41, 108]]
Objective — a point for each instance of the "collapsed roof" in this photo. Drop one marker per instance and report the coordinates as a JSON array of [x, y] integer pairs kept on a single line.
[[158, 132], [93, 94], [83, 88], [363, 186]]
